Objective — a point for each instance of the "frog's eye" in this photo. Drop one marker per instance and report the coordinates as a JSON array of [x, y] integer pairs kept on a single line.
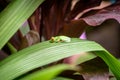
[[52, 39]]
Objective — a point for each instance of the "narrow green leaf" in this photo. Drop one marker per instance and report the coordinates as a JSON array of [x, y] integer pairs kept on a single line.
[[46, 52], [47, 74], [12, 48], [13, 16], [111, 61]]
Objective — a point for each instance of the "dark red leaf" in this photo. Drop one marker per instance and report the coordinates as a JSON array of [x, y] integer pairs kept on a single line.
[[34, 21], [81, 5], [94, 69], [3, 55], [112, 12], [16, 39], [53, 16], [32, 37], [105, 34], [74, 28]]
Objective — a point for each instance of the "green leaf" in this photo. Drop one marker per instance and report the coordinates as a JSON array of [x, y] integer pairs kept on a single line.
[[111, 61], [12, 48], [46, 52], [47, 74], [13, 16]]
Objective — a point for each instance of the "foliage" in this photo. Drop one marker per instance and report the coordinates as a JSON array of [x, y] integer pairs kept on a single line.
[[31, 59]]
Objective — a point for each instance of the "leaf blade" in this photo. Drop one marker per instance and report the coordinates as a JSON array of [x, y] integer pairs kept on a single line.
[[47, 74], [45, 53], [12, 17]]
